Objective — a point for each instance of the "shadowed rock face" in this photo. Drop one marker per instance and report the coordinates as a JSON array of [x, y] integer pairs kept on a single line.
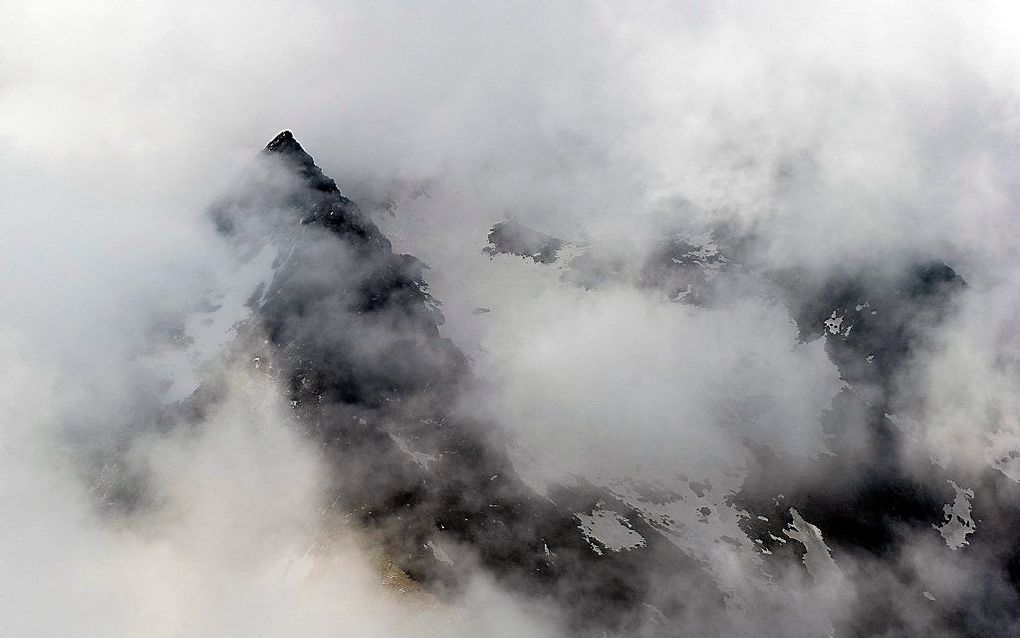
[[873, 504], [676, 265], [351, 330], [512, 238], [868, 502]]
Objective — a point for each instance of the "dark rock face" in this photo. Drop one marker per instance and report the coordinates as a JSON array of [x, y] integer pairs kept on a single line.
[[870, 504], [512, 238], [350, 328], [874, 504], [678, 266]]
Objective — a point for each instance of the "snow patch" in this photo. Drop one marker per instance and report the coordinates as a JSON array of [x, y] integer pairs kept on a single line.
[[958, 522], [817, 555], [834, 324], [423, 460], [611, 530]]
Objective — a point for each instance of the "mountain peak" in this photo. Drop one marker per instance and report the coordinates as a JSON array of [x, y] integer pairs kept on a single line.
[[284, 144]]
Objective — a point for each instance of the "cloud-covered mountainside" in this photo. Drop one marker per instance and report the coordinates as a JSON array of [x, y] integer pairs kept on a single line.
[[586, 320], [608, 468]]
